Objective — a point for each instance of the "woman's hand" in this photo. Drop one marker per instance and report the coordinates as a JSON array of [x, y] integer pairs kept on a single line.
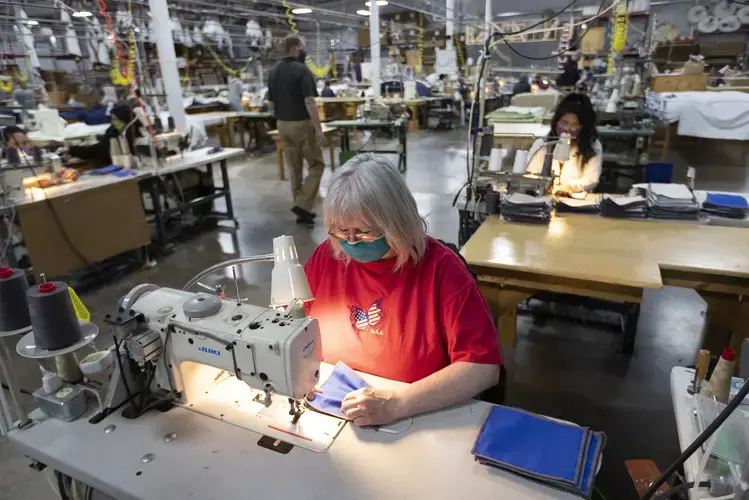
[[370, 406]]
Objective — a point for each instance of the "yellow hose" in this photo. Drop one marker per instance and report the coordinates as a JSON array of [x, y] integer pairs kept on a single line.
[[222, 65], [420, 44], [621, 19], [290, 17]]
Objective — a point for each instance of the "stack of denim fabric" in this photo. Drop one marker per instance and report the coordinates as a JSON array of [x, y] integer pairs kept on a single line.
[[624, 207], [672, 201], [519, 207]]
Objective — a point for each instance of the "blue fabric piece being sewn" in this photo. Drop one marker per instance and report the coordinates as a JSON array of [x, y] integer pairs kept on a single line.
[[342, 381]]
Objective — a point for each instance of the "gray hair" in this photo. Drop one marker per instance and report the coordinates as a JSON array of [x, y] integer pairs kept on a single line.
[[368, 188]]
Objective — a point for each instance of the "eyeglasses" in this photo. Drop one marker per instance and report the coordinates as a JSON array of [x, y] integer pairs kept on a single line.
[[366, 237]]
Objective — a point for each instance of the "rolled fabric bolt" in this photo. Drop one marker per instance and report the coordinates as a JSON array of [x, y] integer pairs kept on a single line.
[[14, 308], [53, 318]]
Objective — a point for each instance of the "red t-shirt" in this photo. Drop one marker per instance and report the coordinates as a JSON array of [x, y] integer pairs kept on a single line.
[[402, 325]]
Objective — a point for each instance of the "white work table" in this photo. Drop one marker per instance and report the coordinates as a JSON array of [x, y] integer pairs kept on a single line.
[[191, 159], [216, 460], [73, 132], [686, 424]]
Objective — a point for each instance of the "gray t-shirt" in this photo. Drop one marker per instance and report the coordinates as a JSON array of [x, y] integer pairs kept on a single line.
[[289, 83]]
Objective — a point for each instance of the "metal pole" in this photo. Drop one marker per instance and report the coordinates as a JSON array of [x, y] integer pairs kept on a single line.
[[6, 364], [168, 63], [374, 42], [449, 23]]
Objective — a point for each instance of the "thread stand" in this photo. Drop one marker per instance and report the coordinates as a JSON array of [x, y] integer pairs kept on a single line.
[[6, 368]]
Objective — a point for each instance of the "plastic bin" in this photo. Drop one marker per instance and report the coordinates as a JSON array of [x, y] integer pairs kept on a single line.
[[659, 172]]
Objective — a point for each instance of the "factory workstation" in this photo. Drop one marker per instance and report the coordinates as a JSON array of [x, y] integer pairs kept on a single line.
[[374, 250]]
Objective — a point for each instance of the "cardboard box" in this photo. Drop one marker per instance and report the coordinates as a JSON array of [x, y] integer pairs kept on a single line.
[[57, 98], [693, 68], [678, 83], [594, 40]]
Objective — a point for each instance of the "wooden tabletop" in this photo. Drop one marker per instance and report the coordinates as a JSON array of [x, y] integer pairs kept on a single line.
[[611, 251]]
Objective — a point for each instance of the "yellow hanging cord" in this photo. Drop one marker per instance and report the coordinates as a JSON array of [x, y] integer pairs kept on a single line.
[[334, 69], [621, 23], [290, 17], [461, 60], [319, 71], [117, 77], [222, 65], [420, 44]]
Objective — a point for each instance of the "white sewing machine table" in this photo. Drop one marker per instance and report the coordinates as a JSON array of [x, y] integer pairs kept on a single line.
[[210, 459]]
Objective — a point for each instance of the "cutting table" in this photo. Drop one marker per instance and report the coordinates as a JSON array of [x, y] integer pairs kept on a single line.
[[213, 459], [614, 260]]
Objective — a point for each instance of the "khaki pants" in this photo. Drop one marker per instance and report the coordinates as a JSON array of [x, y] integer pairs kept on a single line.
[[299, 143]]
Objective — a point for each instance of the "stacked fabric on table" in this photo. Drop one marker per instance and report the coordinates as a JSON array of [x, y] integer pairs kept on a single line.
[[672, 201], [519, 207], [516, 114], [731, 206], [561, 455], [574, 206], [624, 207]]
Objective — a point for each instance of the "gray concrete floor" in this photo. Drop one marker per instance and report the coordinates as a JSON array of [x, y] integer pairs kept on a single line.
[[559, 368]]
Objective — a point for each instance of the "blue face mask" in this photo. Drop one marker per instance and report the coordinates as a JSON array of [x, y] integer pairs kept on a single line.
[[366, 252]]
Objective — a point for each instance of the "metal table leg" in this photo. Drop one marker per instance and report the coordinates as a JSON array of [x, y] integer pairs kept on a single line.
[[630, 328], [151, 187], [227, 193]]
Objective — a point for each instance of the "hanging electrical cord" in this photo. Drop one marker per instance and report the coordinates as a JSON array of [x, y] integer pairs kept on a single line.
[[571, 48]]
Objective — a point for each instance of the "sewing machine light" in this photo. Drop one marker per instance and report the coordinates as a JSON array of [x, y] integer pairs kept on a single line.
[[288, 281]]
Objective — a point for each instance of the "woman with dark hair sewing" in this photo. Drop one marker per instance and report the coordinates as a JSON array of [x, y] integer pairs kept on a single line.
[[574, 116]]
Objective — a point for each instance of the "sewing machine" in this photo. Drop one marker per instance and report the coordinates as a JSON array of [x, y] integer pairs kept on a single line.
[[247, 365]]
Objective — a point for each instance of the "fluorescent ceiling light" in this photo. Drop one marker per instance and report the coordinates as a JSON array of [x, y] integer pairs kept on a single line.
[[31, 22], [301, 10], [381, 3], [510, 14], [82, 13], [363, 12]]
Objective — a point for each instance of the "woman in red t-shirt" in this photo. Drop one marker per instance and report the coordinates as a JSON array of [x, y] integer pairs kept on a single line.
[[394, 302]]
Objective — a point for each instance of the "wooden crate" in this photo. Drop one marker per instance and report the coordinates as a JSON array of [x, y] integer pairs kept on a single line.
[[678, 83]]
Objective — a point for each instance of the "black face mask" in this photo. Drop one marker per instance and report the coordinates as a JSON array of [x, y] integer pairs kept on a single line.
[[302, 57]]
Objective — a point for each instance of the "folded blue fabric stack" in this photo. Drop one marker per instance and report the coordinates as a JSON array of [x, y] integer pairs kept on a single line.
[[560, 455], [731, 206]]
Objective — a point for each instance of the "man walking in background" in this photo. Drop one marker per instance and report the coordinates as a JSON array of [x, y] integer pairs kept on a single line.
[[291, 89]]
